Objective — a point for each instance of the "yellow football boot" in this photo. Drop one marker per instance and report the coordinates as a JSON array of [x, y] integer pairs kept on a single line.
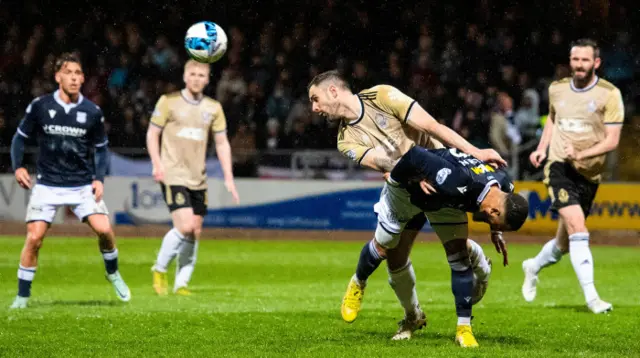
[[160, 283], [183, 291], [352, 301], [465, 338]]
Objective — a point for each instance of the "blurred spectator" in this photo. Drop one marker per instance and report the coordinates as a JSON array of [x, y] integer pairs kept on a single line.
[[454, 58], [503, 134], [243, 147]]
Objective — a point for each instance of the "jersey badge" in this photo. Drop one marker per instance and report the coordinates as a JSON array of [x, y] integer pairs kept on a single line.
[[382, 121], [81, 117], [442, 175], [206, 117]]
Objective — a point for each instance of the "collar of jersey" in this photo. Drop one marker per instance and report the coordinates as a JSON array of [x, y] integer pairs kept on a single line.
[[575, 89], [66, 106], [486, 189], [190, 101], [361, 113]]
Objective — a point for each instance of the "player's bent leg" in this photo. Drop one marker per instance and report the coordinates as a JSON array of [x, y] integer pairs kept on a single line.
[[481, 266], [581, 257], [187, 259], [550, 254], [36, 231], [100, 224]]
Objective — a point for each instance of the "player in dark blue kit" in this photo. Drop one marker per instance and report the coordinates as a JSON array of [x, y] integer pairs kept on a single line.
[[447, 178], [441, 178], [437, 180], [71, 167]]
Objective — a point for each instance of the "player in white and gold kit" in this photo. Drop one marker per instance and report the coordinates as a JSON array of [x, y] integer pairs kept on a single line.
[[585, 120], [373, 132], [185, 120]]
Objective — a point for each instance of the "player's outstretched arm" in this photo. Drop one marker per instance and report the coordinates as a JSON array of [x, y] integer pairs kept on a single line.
[[153, 147], [17, 155], [223, 149], [421, 120]]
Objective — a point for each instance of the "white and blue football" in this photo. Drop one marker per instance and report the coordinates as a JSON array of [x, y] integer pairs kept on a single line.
[[205, 42]]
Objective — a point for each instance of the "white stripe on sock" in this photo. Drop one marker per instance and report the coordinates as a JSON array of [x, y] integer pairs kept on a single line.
[[26, 273], [110, 255]]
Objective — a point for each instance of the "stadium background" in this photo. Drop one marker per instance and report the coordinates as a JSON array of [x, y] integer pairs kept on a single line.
[[258, 292], [479, 69]]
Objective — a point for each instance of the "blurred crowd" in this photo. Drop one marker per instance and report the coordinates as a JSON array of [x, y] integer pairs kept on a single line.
[[482, 69]]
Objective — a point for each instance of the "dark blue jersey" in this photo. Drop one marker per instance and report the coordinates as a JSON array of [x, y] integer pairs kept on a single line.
[[461, 181], [67, 135]]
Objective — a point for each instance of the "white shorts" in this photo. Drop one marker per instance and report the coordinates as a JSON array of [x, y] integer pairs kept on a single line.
[[45, 201], [394, 211]]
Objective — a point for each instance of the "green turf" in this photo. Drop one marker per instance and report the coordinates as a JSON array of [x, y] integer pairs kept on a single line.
[[282, 298]]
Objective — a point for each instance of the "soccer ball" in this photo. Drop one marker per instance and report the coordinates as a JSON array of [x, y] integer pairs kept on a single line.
[[205, 42]]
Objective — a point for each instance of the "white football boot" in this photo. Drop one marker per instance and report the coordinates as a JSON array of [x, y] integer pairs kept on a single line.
[[121, 288], [530, 280]]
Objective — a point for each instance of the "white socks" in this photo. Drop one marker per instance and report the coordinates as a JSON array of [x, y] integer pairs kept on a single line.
[[582, 262], [479, 262], [403, 282], [549, 255], [168, 251], [186, 263]]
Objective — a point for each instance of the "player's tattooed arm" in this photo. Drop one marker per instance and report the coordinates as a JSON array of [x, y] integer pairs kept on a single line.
[[378, 161], [384, 164]]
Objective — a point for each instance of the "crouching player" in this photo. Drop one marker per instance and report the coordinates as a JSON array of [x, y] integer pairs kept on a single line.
[[373, 132]]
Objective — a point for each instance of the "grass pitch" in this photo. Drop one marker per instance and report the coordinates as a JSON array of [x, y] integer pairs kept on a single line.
[[282, 298]]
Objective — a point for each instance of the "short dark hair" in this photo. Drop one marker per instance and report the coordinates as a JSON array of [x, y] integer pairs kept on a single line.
[[332, 75], [516, 211], [64, 58], [585, 42]]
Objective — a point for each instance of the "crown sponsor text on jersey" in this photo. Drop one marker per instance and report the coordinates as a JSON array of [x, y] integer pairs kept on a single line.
[[54, 129]]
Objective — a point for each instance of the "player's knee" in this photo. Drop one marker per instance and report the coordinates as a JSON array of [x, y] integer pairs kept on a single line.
[[573, 219], [34, 240], [386, 239], [187, 228], [104, 231], [381, 250]]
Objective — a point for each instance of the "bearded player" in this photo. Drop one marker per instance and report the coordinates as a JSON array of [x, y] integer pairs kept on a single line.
[[585, 120]]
